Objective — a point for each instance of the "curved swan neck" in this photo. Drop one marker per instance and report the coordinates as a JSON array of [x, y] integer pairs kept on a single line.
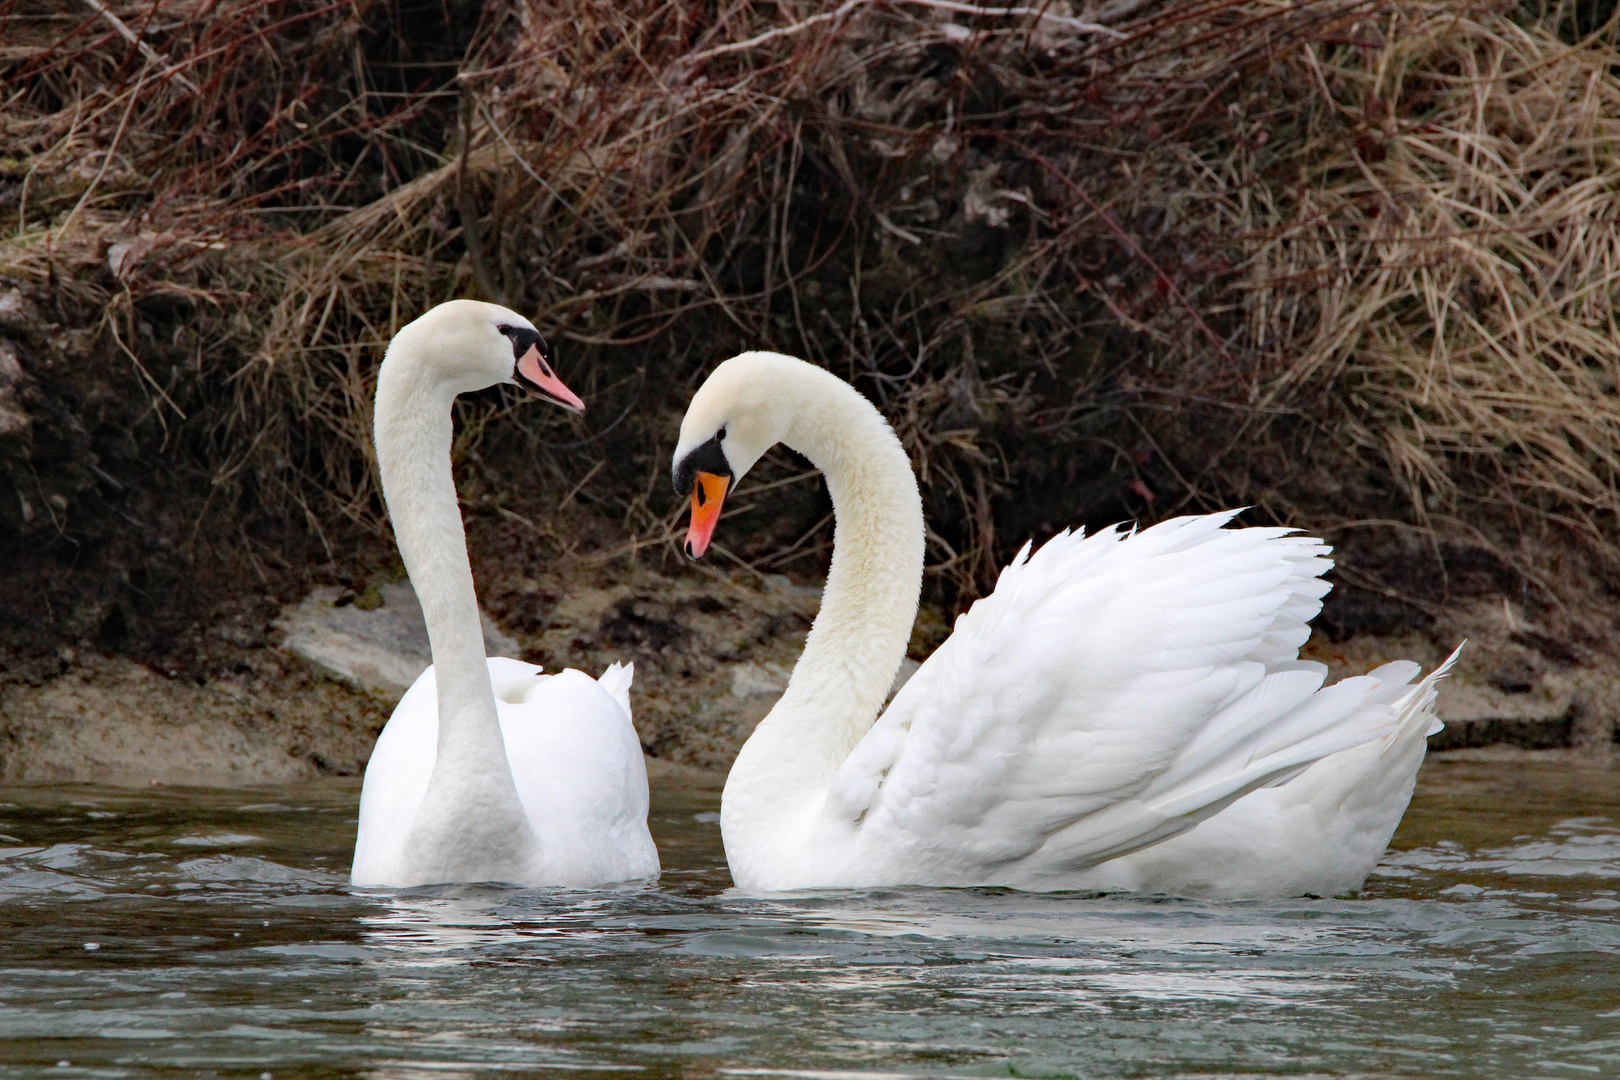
[[413, 432], [869, 603]]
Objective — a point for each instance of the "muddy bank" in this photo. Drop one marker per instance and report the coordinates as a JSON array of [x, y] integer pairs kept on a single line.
[[1515, 686], [712, 653], [1186, 263]]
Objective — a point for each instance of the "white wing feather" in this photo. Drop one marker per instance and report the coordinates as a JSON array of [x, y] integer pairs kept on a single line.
[[1114, 690], [1320, 834], [616, 681], [580, 774]]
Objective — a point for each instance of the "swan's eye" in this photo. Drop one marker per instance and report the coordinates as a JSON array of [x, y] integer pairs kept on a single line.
[[721, 434], [523, 339]]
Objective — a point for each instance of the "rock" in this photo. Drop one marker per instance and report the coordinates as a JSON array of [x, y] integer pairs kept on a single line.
[[1501, 693], [1553, 733], [781, 583], [1566, 709], [908, 668], [108, 720], [749, 679], [17, 312], [13, 420], [769, 678], [1462, 699], [11, 372], [1534, 716], [379, 645]]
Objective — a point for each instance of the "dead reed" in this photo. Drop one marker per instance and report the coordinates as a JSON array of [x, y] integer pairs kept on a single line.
[[1352, 261], [1442, 274]]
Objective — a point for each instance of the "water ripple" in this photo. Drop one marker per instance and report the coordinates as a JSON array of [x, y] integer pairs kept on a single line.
[[208, 931]]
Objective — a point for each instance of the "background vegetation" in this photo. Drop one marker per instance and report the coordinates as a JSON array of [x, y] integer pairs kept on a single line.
[[1351, 262]]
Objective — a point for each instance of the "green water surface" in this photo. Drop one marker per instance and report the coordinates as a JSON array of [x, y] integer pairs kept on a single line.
[[166, 932]]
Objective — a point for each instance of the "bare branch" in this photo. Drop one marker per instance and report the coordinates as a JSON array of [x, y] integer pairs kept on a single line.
[[170, 71]]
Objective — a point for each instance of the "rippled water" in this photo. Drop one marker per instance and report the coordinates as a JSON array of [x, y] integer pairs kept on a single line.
[[158, 932]]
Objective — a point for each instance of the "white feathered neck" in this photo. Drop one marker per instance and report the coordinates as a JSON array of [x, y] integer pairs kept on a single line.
[[471, 822], [867, 608]]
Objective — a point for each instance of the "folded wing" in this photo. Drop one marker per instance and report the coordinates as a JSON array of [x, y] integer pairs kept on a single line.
[[1114, 690]]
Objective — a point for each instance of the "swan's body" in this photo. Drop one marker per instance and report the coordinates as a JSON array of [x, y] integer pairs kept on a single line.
[[545, 786], [574, 760], [1114, 690], [1320, 834]]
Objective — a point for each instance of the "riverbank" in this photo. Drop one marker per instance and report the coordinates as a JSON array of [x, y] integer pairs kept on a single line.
[[712, 652], [1111, 265]]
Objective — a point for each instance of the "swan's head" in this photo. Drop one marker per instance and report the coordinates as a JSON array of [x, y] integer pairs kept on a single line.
[[742, 410], [470, 345]]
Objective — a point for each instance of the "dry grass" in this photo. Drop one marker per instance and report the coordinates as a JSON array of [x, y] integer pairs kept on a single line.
[[1350, 260], [1444, 273]]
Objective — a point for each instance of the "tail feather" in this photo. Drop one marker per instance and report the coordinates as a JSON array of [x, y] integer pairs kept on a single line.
[[1415, 712], [1355, 725], [616, 681], [1396, 677]]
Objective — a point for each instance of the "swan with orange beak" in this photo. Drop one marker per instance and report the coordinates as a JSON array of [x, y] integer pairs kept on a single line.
[[1114, 691], [726, 430]]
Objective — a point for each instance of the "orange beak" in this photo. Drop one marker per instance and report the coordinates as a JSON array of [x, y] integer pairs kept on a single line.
[[534, 373], [708, 493]]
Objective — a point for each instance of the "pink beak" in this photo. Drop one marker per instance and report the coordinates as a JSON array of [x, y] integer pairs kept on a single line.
[[536, 374]]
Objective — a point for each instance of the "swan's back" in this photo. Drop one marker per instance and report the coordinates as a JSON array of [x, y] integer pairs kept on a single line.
[[581, 776], [575, 759]]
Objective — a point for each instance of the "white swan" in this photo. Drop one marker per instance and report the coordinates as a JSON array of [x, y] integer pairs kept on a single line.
[[487, 770], [1114, 691]]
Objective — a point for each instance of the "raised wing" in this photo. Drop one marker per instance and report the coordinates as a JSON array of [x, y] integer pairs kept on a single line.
[[1114, 690]]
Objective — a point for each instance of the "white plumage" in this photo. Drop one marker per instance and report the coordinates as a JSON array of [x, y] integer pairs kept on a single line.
[[1320, 834], [1114, 691], [574, 758], [488, 769]]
